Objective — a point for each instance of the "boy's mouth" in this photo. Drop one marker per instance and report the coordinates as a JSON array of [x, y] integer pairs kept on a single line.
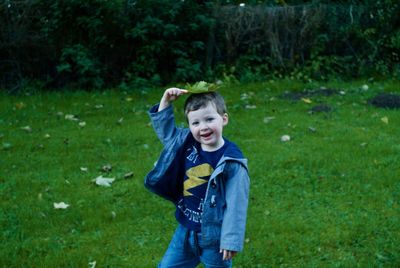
[[206, 135]]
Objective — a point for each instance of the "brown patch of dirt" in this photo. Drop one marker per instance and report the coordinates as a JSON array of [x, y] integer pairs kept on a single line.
[[295, 96], [386, 100]]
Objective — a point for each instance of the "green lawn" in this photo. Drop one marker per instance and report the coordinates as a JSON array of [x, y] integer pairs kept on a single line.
[[329, 197]]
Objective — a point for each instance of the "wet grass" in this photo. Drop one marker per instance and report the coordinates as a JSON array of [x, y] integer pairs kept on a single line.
[[329, 197]]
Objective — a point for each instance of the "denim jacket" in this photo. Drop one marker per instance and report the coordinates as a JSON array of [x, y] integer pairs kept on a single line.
[[226, 200]]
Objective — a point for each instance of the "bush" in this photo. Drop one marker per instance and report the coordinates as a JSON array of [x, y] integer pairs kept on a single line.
[[78, 65], [98, 43]]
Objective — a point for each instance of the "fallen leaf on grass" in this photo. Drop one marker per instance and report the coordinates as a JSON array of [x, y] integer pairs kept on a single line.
[[113, 214], [102, 181], [82, 124], [381, 257], [385, 120], [20, 105], [60, 205], [120, 120], [306, 100], [27, 128], [250, 107], [84, 169], [268, 119], [7, 146], [128, 175], [285, 138], [40, 146], [71, 117], [106, 168], [244, 96], [92, 264]]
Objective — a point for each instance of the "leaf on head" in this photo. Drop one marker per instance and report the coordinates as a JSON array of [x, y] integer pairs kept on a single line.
[[201, 87]]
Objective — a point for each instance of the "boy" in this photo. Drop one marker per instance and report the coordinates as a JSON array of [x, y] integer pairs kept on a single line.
[[205, 176]]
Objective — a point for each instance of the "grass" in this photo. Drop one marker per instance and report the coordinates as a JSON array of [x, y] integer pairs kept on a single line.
[[330, 197]]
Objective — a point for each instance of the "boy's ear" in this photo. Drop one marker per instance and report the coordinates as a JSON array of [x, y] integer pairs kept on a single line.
[[225, 119]]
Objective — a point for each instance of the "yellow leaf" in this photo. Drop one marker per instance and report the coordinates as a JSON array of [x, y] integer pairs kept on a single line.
[[385, 120], [306, 100]]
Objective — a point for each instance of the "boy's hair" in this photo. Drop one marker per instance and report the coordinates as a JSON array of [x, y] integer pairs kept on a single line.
[[197, 101]]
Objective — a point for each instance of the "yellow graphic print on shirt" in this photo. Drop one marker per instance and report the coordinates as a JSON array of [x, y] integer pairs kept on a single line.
[[194, 175]]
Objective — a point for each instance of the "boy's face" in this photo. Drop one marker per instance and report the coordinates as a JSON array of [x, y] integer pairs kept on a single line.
[[206, 126]]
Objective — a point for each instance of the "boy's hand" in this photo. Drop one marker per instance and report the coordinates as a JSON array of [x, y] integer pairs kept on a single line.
[[171, 94], [227, 254]]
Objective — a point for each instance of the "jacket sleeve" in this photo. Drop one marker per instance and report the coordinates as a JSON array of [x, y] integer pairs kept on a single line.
[[163, 123], [165, 179], [237, 196]]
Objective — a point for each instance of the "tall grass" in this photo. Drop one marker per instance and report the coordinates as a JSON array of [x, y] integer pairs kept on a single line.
[[329, 197]]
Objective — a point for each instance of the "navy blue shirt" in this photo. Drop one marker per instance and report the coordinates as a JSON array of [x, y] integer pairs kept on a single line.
[[199, 165]]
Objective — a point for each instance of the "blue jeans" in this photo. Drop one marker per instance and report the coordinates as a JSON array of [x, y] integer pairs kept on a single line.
[[185, 251]]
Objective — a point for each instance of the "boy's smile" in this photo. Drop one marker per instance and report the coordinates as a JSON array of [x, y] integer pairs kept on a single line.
[[206, 126]]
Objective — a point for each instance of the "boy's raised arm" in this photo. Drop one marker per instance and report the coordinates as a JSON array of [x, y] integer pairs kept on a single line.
[[164, 123], [170, 95]]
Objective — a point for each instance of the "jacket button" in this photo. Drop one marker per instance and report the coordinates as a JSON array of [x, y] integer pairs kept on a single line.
[[213, 185], [213, 202]]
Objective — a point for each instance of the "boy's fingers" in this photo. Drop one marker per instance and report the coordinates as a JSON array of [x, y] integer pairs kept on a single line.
[[179, 91], [227, 254], [176, 91]]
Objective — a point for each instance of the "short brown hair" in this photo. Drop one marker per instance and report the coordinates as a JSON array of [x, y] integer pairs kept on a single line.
[[197, 101]]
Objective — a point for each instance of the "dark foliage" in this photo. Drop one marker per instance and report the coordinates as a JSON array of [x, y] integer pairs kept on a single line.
[[135, 44]]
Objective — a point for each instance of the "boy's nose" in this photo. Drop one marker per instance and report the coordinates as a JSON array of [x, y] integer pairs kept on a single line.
[[203, 126]]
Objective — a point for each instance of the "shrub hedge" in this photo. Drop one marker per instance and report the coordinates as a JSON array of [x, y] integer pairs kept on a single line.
[[100, 43]]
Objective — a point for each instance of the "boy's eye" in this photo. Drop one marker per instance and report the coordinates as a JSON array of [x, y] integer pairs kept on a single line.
[[195, 123], [210, 119]]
